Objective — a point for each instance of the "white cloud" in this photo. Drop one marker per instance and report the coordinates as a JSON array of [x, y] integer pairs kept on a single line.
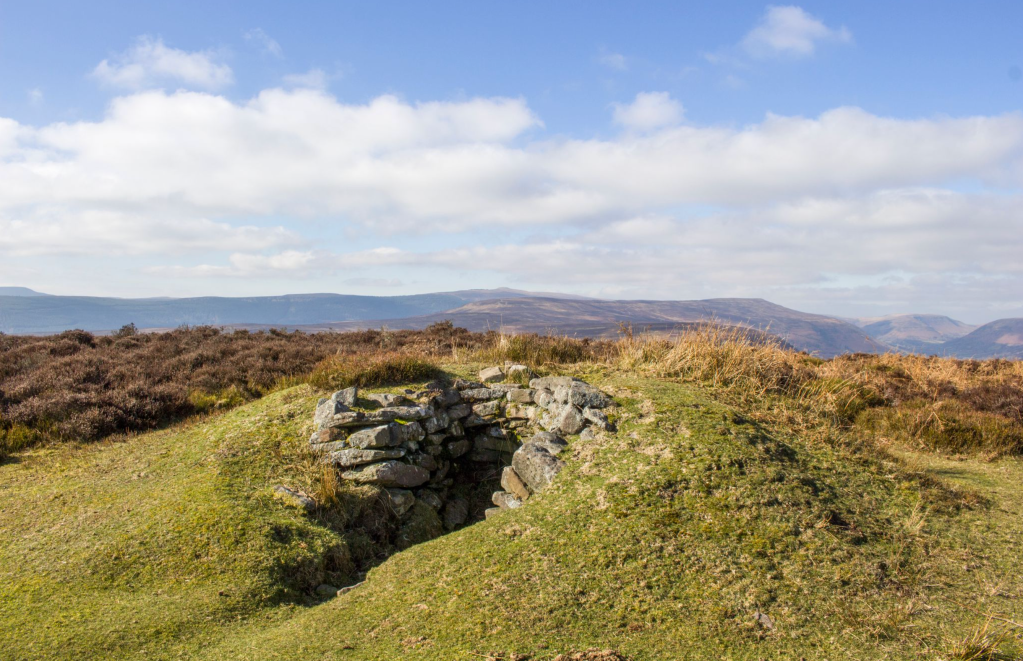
[[779, 208], [313, 79], [267, 43], [789, 30], [613, 61], [35, 96], [650, 110], [150, 63], [61, 230]]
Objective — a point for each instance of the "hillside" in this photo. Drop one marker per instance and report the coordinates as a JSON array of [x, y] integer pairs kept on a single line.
[[23, 314], [19, 291], [824, 336], [999, 339], [918, 333], [698, 530]]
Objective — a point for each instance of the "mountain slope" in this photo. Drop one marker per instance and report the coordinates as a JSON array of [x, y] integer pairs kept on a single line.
[[919, 333], [999, 339], [51, 314], [20, 291], [825, 336]]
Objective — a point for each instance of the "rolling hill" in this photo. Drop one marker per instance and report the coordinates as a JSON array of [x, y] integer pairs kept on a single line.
[[918, 333], [41, 314], [999, 339], [825, 336]]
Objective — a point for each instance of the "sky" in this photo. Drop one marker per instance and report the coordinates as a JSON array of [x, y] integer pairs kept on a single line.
[[846, 158]]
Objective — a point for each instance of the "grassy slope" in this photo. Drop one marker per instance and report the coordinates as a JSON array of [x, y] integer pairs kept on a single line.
[[662, 542]]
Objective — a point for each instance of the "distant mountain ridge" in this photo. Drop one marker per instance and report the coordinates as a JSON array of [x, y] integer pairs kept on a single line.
[[825, 336], [53, 314], [1002, 338], [24, 311], [20, 291], [918, 333]]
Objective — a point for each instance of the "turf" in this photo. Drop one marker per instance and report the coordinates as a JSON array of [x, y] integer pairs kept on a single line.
[[663, 541]]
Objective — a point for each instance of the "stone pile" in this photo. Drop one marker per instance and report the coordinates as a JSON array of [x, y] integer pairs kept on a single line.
[[415, 445]]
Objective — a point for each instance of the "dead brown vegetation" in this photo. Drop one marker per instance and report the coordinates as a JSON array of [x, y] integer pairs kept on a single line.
[[75, 386]]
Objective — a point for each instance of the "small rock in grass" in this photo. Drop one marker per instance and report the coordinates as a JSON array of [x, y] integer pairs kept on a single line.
[[295, 498], [492, 375], [325, 590], [491, 511], [505, 500]]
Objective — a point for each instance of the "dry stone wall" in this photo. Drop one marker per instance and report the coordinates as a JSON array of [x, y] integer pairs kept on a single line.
[[416, 445]]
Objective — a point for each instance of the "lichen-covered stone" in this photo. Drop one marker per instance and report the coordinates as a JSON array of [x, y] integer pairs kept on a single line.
[[582, 395], [543, 397], [520, 412], [536, 465], [570, 420], [550, 442], [491, 511], [389, 474], [521, 396], [463, 384], [347, 397], [597, 417], [487, 409], [481, 395], [552, 382]]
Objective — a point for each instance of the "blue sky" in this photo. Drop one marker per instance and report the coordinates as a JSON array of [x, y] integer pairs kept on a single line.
[[845, 158]]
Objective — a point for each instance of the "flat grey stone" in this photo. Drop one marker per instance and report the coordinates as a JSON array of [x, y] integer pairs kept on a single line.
[[551, 382], [389, 474], [506, 501], [387, 399], [356, 457], [481, 394], [374, 437], [411, 432], [459, 411], [492, 375]]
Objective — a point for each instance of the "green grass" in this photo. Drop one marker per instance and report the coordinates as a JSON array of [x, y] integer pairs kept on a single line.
[[662, 541]]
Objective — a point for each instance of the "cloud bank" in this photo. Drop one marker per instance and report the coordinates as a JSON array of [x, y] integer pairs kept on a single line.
[[847, 205]]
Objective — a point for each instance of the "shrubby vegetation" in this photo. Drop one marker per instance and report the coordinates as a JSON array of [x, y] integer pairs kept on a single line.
[[79, 387]]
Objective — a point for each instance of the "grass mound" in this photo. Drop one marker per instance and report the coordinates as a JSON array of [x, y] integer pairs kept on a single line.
[[695, 532]]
